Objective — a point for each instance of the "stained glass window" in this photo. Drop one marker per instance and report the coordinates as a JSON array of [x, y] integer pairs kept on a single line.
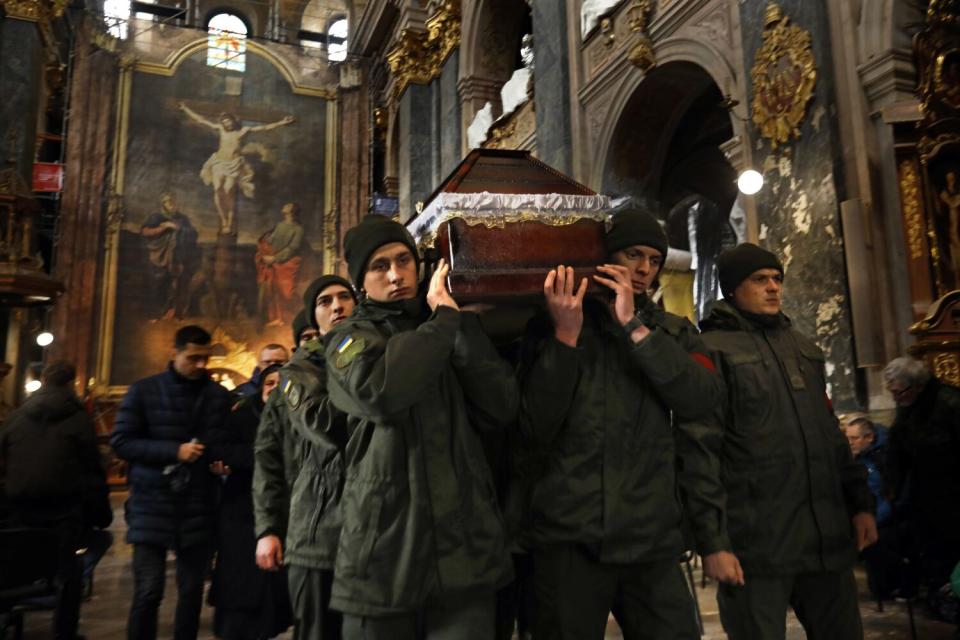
[[227, 42]]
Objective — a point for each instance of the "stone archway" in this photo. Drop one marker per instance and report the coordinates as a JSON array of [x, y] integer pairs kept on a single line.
[[665, 144]]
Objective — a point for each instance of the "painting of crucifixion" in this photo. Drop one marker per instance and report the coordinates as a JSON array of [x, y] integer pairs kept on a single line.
[[224, 199], [227, 170]]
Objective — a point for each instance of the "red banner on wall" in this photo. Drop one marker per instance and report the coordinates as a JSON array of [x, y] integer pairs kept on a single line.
[[47, 177]]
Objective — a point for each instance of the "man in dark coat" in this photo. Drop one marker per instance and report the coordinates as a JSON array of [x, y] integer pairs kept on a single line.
[[271, 354], [423, 547], [783, 509], [298, 476], [923, 452], [54, 478], [164, 427], [597, 401]]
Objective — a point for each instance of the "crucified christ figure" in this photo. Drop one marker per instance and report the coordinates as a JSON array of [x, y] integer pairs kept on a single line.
[[226, 170]]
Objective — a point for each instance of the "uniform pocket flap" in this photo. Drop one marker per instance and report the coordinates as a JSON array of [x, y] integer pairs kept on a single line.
[[737, 359]]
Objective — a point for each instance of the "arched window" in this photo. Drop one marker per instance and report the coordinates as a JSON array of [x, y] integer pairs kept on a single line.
[[227, 42], [337, 40], [116, 15]]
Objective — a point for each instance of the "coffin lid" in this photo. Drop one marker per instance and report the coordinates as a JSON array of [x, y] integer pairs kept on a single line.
[[495, 187], [507, 171]]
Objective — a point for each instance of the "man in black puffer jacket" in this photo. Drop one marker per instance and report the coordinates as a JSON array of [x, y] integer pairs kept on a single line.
[[54, 479], [164, 429]]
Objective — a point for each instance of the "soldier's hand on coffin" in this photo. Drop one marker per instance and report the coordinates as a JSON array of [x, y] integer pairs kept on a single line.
[[437, 294], [617, 278], [564, 304]]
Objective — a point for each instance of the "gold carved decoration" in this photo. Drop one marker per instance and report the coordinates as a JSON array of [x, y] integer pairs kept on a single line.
[[34, 10], [912, 208], [784, 75], [418, 56], [946, 366], [641, 54], [514, 130]]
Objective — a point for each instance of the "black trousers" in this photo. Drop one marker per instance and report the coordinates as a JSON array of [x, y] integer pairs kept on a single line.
[[68, 525], [466, 616], [576, 593], [149, 577], [825, 604], [310, 596]]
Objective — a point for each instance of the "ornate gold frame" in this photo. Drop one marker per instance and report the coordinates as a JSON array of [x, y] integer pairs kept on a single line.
[[784, 75], [115, 205]]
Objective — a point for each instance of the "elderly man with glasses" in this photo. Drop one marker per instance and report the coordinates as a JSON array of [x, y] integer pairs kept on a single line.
[[923, 452]]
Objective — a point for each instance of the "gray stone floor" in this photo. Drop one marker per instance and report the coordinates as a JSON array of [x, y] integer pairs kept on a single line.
[[103, 617]]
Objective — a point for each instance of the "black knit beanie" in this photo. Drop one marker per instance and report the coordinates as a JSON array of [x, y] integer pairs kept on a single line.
[[372, 233], [633, 227], [300, 324], [735, 265], [315, 289]]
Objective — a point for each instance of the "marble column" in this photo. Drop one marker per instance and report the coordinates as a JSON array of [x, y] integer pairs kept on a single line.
[[21, 72], [354, 173], [416, 148], [551, 83], [798, 212], [449, 123]]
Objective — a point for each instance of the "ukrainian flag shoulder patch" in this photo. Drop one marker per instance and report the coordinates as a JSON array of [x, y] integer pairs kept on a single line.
[[348, 349]]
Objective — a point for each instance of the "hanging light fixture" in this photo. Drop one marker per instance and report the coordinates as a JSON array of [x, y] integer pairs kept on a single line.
[[750, 182]]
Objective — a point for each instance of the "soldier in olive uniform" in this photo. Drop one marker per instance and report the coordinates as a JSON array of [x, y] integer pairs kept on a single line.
[[781, 514], [298, 476], [597, 401], [423, 546]]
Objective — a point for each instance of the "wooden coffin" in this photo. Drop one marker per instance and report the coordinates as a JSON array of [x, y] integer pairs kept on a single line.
[[503, 219]]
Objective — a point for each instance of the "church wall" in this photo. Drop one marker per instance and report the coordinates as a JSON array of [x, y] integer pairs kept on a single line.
[[552, 85], [416, 147], [21, 59], [449, 145], [798, 210]]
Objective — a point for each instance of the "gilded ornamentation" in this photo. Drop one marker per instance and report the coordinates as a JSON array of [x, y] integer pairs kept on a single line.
[[784, 75], [938, 61], [641, 54], [418, 56], [946, 366], [638, 16], [912, 208], [606, 29], [945, 12], [517, 129], [34, 10], [930, 146]]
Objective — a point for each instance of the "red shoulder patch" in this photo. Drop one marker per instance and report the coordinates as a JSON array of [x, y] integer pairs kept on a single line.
[[704, 361]]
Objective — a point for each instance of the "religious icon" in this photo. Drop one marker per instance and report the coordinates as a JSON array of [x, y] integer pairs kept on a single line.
[[278, 260], [227, 170], [173, 256], [947, 78], [949, 201]]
